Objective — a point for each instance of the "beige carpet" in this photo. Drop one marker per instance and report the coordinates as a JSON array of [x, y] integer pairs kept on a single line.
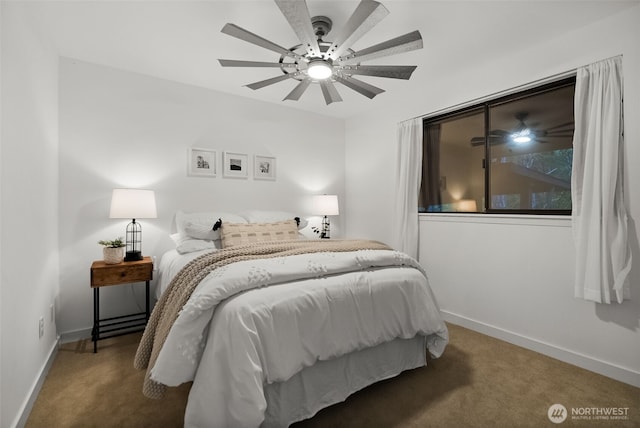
[[478, 382]]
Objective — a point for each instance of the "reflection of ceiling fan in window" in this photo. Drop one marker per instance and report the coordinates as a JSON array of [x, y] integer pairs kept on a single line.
[[524, 133]]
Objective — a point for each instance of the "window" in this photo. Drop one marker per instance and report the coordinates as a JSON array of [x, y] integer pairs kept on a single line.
[[508, 155]]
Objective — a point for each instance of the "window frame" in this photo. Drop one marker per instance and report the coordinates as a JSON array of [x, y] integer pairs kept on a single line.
[[484, 106]]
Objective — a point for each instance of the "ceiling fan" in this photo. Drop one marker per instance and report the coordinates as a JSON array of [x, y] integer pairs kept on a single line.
[[325, 62], [524, 134]]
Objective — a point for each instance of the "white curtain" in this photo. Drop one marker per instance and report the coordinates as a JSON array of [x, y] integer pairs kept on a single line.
[[408, 180], [603, 256]]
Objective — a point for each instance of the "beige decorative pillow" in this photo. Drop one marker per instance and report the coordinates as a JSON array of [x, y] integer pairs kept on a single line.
[[239, 233]]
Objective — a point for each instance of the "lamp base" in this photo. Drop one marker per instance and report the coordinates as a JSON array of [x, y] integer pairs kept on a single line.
[[133, 256], [325, 228]]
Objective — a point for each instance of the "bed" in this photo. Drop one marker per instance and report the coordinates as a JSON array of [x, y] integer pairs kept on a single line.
[[272, 328]]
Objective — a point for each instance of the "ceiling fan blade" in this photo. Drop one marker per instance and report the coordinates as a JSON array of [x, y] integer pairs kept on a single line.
[[330, 92], [364, 18], [390, 71], [557, 134], [267, 82], [565, 127], [298, 16], [298, 90], [405, 43], [477, 141], [236, 63], [359, 86], [493, 140], [242, 34]]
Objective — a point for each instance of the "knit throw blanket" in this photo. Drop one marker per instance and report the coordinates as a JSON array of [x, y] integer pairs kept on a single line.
[[168, 308]]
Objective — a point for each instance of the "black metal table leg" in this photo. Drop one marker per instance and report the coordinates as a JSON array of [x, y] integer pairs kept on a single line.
[[147, 302], [95, 331]]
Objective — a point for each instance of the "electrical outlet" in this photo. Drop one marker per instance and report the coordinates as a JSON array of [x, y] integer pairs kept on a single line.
[[41, 327]]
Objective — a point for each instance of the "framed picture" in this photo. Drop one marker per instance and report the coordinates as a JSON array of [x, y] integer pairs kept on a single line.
[[264, 167], [201, 162], [235, 165]]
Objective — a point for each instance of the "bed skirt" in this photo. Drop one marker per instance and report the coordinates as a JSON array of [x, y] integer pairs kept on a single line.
[[330, 382]]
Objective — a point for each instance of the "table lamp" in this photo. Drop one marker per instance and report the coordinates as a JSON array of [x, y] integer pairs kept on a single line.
[[133, 204], [325, 205]]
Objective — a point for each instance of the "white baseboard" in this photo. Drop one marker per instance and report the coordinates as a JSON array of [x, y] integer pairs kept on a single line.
[[23, 415], [604, 368], [76, 335]]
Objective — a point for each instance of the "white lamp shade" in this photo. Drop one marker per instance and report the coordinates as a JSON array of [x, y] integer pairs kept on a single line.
[[325, 205], [133, 203], [466, 205]]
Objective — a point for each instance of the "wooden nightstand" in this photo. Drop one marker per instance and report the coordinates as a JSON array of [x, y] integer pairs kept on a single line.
[[103, 275]]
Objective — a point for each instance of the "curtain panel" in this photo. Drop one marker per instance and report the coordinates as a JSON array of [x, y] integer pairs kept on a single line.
[[599, 217], [408, 180]]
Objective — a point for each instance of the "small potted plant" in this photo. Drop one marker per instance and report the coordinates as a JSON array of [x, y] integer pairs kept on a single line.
[[113, 251]]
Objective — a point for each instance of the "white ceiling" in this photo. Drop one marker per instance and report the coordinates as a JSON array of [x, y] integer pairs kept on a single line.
[[181, 40]]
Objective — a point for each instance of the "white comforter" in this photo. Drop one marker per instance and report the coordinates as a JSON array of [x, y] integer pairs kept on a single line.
[[236, 334]]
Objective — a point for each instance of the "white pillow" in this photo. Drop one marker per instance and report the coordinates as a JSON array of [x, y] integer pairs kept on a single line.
[[265, 216], [199, 225], [186, 244]]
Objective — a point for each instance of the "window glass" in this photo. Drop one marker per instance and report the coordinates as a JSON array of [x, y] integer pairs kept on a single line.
[[527, 140], [452, 163], [530, 152]]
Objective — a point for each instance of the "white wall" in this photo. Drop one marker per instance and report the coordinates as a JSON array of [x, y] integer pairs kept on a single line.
[[1, 276], [120, 129], [513, 280], [29, 200]]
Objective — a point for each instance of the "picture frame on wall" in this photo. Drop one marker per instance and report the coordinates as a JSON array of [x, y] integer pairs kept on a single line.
[[235, 165], [202, 162], [264, 167]]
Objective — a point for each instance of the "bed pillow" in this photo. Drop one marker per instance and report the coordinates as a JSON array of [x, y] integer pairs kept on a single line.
[[234, 234], [199, 225], [265, 216], [185, 244]]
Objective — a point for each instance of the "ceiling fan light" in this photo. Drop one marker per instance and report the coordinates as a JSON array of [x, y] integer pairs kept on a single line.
[[319, 69], [521, 137]]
